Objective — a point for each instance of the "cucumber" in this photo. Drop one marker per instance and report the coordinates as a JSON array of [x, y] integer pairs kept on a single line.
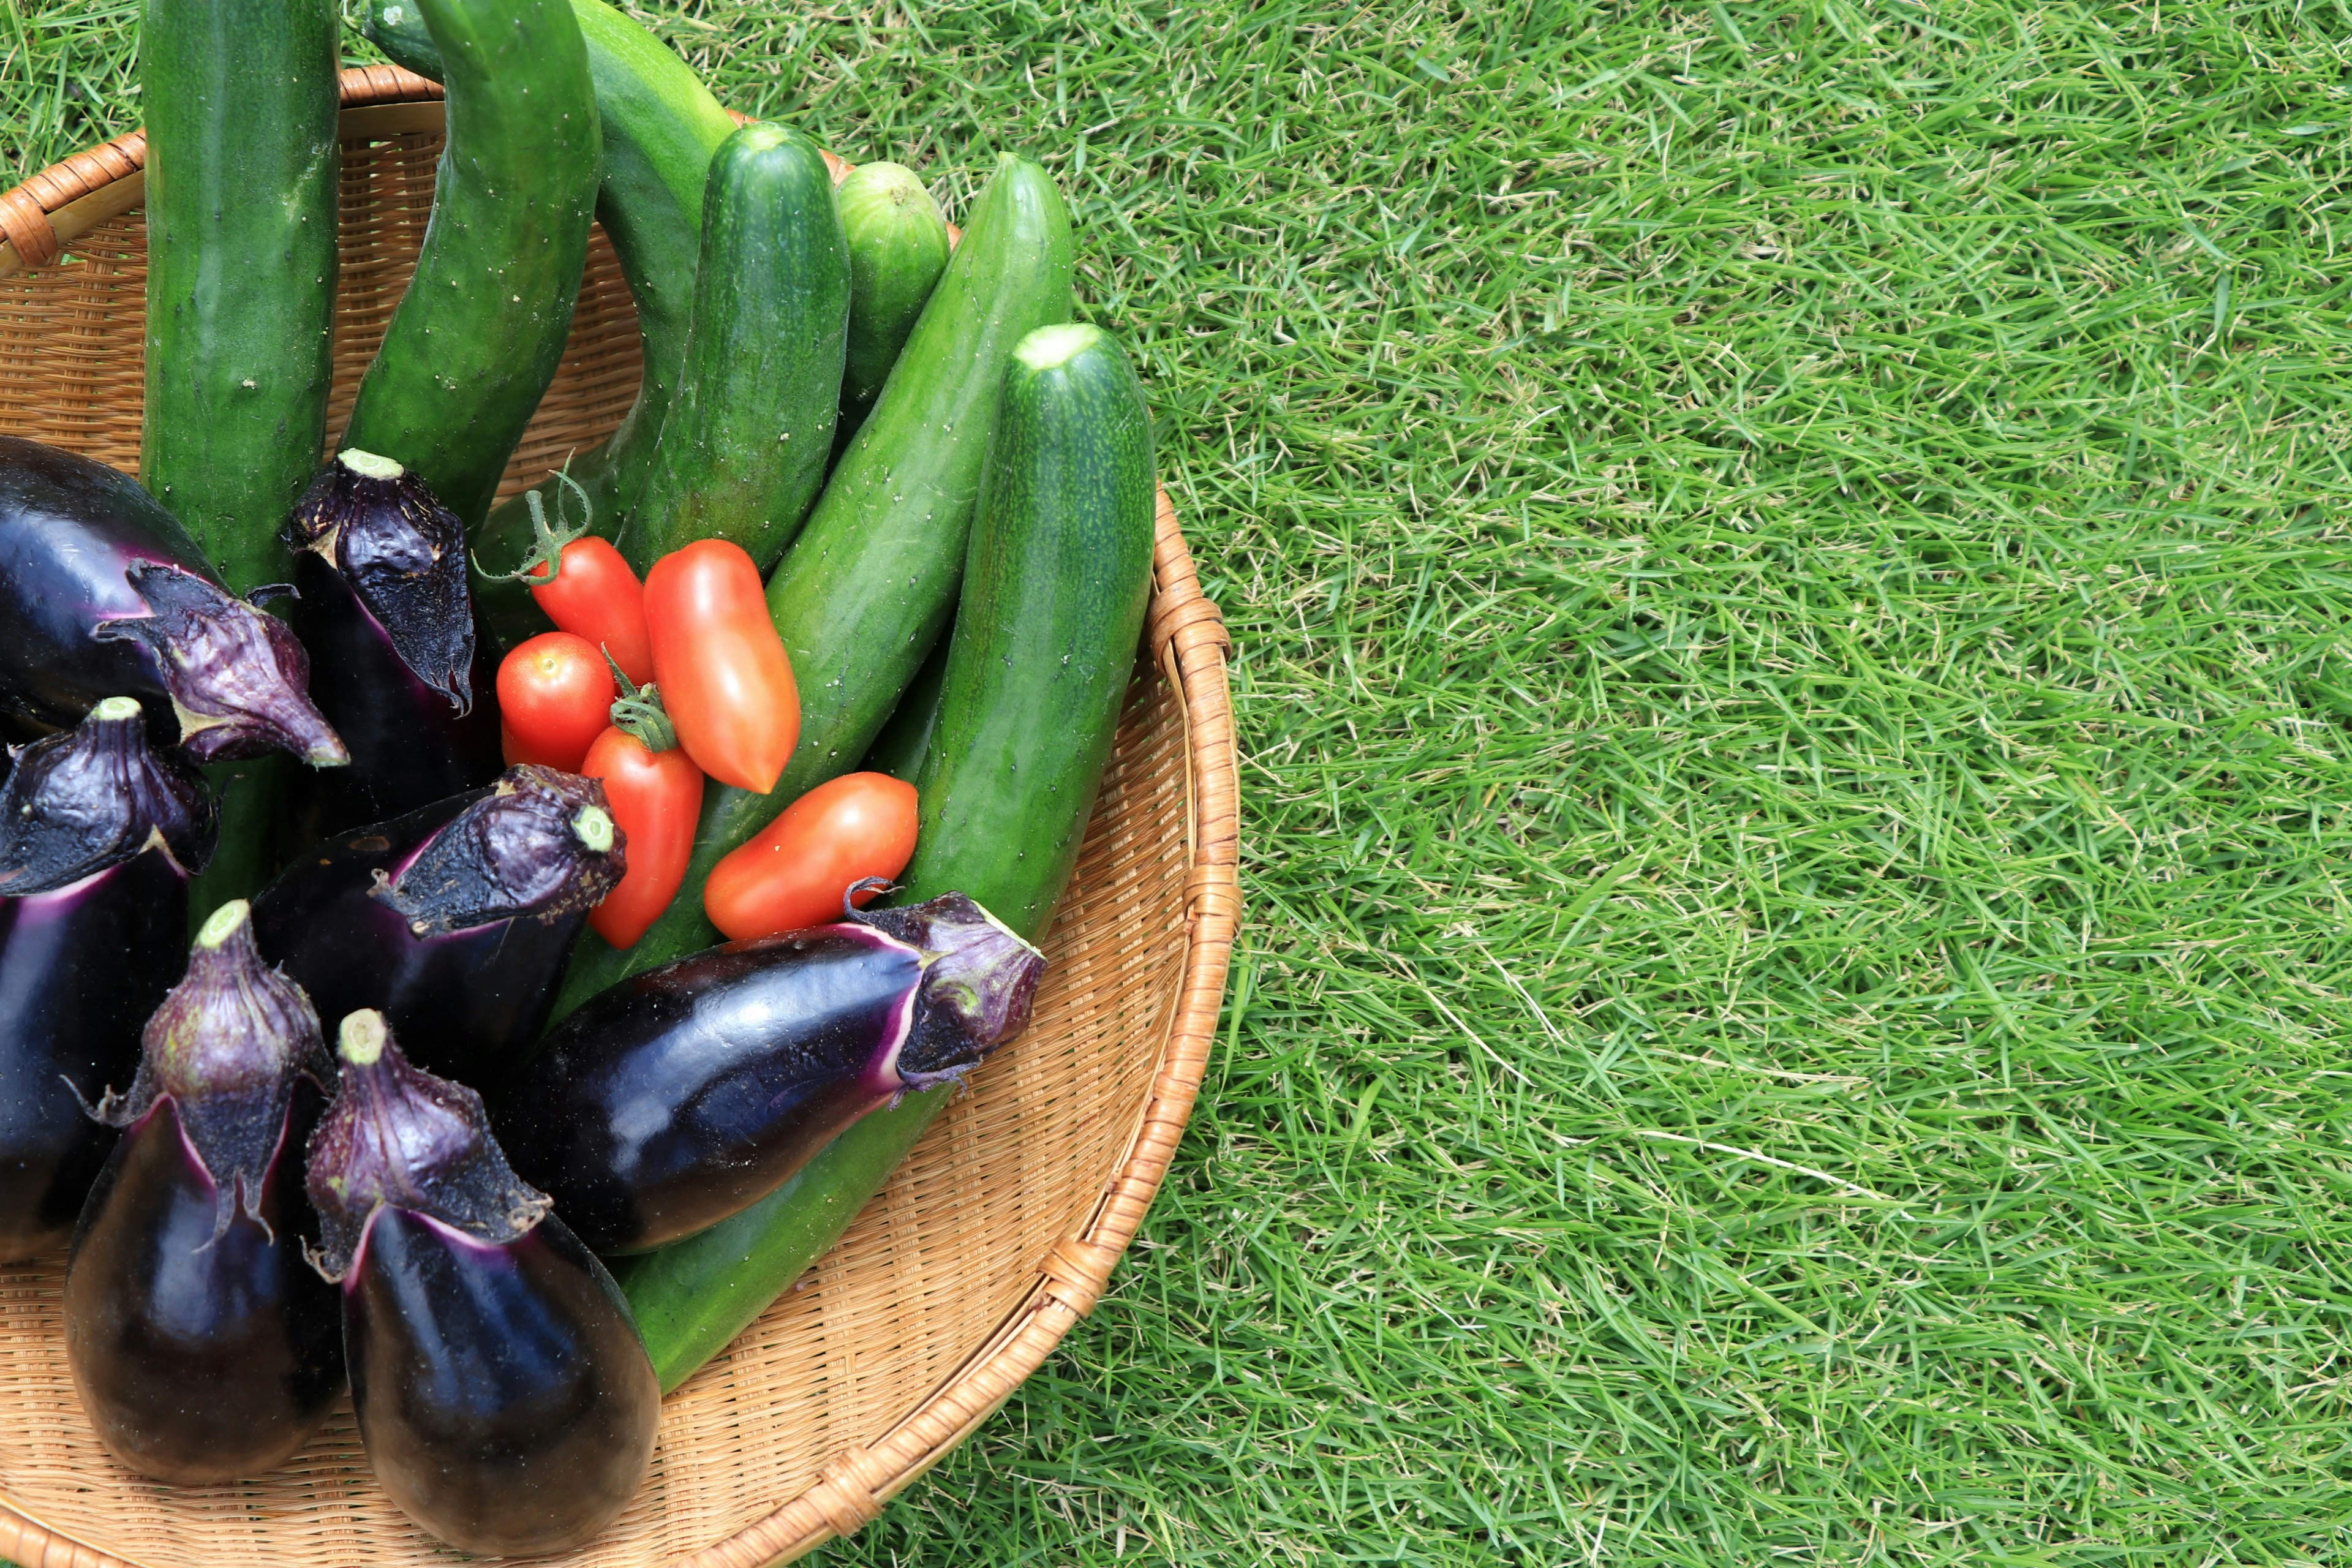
[[242, 166], [477, 337], [898, 249], [1055, 593], [869, 586], [660, 127], [898, 749], [743, 452]]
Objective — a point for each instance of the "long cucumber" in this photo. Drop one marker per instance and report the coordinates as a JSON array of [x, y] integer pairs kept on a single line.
[[242, 166], [1054, 592], [477, 337], [660, 127], [743, 453], [869, 586]]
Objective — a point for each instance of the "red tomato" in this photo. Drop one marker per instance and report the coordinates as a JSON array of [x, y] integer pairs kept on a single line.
[[655, 797], [594, 594], [555, 697], [793, 875], [720, 665]]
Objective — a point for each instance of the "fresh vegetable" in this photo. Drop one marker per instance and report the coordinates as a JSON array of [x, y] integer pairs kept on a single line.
[[899, 749], [586, 588], [860, 828], [455, 920], [672, 1101], [871, 582], [554, 696], [720, 665], [98, 836], [1054, 590], [381, 603], [1045, 640], [203, 1345], [502, 1393], [476, 338], [751, 431], [898, 249], [107, 595], [654, 791], [240, 101]]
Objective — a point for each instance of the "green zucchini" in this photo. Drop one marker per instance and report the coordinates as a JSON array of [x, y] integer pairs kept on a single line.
[[750, 433], [898, 249], [242, 168], [1054, 592], [477, 337], [869, 586]]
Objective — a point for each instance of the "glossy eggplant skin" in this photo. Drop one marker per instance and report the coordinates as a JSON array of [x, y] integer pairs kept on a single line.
[[504, 1397], [681, 1095], [85, 554], [80, 969], [200, 1358], [688, 1093], [471, 999]]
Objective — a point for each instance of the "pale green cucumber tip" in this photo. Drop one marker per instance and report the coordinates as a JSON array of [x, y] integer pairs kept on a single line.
[[1056, 345]]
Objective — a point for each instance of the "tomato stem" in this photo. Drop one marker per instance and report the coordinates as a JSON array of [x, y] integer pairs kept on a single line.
[[548, 539], [638, 711]]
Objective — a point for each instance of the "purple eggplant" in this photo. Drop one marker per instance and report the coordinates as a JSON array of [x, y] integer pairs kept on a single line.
[[691, 1091], [504, 1395], [99, 835], [454, 921], [381, 603], [107, 595], [204, 1345]]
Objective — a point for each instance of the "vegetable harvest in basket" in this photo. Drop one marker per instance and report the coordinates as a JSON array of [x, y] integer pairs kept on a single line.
[[659, 848]]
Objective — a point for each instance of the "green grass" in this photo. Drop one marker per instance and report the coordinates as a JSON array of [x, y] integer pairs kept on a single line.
[[1788, 574]]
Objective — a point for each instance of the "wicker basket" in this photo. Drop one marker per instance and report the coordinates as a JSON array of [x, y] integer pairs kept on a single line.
[[993, 1239]]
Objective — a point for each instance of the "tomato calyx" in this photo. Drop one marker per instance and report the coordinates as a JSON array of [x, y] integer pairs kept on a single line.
[[543, 562], [638, 711]]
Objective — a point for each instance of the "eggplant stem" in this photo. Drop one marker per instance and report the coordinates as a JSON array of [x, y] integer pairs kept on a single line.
[[360, 1040]]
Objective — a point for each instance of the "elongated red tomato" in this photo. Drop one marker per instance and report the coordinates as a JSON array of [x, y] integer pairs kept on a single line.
[[655, 797], [793, 875], [555, 697], [594, 594], [719, 664]]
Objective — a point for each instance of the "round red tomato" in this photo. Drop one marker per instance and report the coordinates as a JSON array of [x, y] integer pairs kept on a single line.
[[555, 697], [720, 665], [793, 874]]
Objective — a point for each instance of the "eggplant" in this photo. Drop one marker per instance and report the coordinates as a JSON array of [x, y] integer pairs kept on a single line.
[[202, 1343], [106, 595], [690, 1092], [382, 605], [505, 1398], [99, 835], [454, 921]]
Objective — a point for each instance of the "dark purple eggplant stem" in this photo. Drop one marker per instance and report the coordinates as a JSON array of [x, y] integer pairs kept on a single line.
[[88, 798], [542, 843], [403, 554]]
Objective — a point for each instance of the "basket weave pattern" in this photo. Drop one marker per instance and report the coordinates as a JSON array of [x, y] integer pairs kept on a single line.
[[988, 1242]]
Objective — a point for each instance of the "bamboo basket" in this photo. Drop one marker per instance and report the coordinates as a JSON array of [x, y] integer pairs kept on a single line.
[[997, 1234]]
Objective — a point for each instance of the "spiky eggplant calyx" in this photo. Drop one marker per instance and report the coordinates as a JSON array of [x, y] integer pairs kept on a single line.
[[403, 555], [238, 678], [227, 1048], [540, 843], [398, 1136], [88, 798], [980, 983]]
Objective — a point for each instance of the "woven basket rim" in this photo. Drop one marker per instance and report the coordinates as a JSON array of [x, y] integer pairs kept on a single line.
[[1186, 638]]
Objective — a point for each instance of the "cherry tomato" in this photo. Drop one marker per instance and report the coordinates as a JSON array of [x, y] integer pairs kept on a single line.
[[594, 594], [555, 694], [655, 797], [720, 665], [793, 875]]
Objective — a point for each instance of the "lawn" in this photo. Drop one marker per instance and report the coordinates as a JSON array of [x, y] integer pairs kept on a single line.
[[1788, 574]]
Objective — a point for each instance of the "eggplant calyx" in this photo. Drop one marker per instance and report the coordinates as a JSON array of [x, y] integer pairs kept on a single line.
[[398, 1137], [403, 555], [225, 1048], [87, 799], [240, 680], [979, 986], [540, 843], [638, 709]]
